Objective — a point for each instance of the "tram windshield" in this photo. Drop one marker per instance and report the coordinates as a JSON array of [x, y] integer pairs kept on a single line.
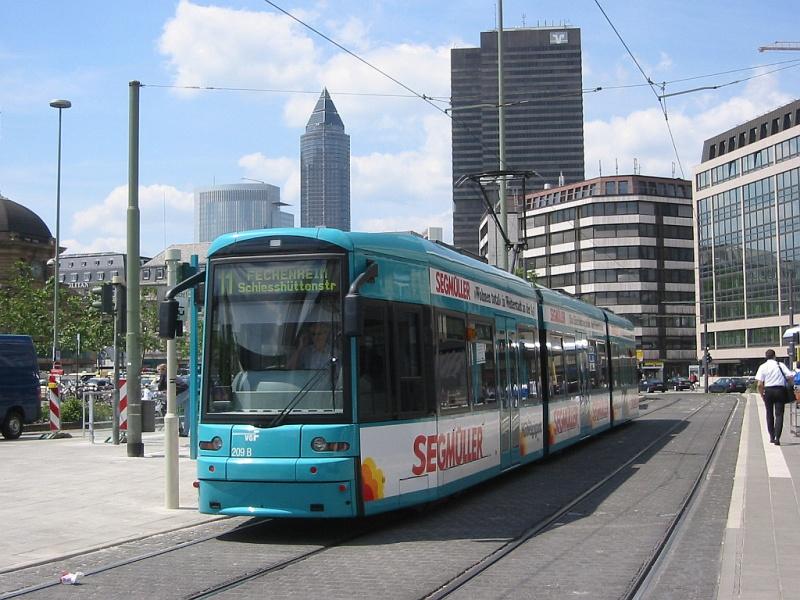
[[275, 339]]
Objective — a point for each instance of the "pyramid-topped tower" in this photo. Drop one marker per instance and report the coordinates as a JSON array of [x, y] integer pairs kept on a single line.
[[325, 168]]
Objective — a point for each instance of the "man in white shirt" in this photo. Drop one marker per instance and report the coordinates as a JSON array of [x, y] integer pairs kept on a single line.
[[773, 377]]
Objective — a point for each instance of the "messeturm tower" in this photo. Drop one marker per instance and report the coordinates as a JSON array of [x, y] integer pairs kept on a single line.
[[325, 169]]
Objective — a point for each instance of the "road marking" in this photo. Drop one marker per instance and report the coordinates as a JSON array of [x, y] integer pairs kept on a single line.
[[776, 464], [736, 508]]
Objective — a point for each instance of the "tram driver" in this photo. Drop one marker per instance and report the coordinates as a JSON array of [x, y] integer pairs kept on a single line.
[[314, 350]]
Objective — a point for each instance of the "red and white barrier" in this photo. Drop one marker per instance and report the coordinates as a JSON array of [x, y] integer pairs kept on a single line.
[[54, 399], [123, 405]]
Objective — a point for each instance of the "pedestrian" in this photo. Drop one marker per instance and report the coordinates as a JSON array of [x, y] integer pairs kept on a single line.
[[773, 378], [162, 377]]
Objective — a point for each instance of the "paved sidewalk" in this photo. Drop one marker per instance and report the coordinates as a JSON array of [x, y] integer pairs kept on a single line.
[[60, 497], [761, 550]]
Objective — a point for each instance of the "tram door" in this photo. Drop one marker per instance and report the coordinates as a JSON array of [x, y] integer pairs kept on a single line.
[[508, 391]]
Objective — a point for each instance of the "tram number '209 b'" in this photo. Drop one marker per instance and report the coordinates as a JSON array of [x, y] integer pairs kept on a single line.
[[241, 452]]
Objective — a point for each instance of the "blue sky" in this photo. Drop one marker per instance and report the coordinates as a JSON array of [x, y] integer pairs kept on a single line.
[[88, 50]]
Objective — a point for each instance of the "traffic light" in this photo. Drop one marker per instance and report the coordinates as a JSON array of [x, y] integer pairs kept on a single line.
[[185, 270], [121, 307], [104, 301]]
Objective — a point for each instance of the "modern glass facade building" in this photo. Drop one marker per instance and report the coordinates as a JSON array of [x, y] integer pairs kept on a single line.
[[543, 115], [223, 209], [623, 243], [747, 194], [325, 169]]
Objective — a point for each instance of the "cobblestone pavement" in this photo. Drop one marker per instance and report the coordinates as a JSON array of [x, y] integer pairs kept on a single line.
[[597, 548]]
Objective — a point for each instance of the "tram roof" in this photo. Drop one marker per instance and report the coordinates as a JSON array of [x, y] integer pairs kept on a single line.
[[398, 244], [407, 245]]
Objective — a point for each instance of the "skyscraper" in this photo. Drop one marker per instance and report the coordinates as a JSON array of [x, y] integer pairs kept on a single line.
[[325, 169], [237, 207], [543, 115]]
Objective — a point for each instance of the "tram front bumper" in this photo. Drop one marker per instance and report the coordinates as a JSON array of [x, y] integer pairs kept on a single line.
[[277, 487], [277, 499]]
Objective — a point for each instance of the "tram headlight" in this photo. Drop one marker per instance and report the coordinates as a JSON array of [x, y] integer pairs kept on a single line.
[[214, 444], [320, 444]]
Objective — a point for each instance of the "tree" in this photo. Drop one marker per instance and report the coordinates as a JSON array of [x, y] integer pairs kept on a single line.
[[26, 307]]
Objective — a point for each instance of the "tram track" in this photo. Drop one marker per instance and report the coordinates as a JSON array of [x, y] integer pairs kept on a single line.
[[639, 585], [255, 571]]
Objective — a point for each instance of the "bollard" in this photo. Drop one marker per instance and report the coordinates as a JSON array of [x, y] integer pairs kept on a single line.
[[54, 402], [123, 405], [53, 397]]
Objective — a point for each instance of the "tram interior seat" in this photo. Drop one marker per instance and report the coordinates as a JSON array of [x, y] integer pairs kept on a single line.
[[274, 389]]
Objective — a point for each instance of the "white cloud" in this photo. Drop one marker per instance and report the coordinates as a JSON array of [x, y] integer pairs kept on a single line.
[[643, 134], [217, 46], [410, 189], [283, 172], [165, 214], [211, 45]]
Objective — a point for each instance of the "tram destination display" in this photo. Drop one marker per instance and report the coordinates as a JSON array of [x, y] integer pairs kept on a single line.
[[262, 278]]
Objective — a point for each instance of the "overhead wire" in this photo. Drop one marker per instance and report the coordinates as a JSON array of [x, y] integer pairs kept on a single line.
[[286, 91], [424, 97], [662, 102]]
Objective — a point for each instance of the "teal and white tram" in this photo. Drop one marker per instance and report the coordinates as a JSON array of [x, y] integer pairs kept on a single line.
[[346, 374]]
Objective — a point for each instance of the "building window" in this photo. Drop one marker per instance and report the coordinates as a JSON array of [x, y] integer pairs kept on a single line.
[[87, 276], [763, 336], [73, 277], [145, 274], [100, 275], [611, 188], [159, 273], [730, 339]]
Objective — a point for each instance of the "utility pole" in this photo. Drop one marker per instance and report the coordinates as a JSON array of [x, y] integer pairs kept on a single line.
[[792, 345], [501, 130], [705, 348], [133, 335], [119, 316], [171, 496], [192, 408]]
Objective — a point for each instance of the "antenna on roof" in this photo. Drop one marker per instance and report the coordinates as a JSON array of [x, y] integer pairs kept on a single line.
[[600, 165], [673, 169], [634, 166], [616, 167]]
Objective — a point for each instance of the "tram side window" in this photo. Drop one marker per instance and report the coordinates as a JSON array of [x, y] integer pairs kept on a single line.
[[408, 360], [374, 398], [598, 365], [484, 386], [529, 368], [451, 362], [555, 361], [582, 355], [616, 366], [571, 365]]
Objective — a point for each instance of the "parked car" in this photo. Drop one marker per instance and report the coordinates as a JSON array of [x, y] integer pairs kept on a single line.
[[98, 384], [679, 383], [19, 384], [652, 385], [728, 384]]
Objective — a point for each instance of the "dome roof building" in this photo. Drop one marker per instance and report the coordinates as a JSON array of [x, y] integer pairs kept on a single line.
[[23, 236]]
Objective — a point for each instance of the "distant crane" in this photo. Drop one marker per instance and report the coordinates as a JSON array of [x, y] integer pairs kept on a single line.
[[780, 46]]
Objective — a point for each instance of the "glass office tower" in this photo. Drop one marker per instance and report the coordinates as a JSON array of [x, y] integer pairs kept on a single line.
[[325, 169]]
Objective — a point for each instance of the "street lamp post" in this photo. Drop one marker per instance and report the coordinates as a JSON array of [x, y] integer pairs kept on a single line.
[[60, 105]]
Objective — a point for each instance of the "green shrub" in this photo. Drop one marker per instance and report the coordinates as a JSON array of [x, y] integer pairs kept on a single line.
[[71, 411]]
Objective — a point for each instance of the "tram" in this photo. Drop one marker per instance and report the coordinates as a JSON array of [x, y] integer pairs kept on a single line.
[[346, 374]]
